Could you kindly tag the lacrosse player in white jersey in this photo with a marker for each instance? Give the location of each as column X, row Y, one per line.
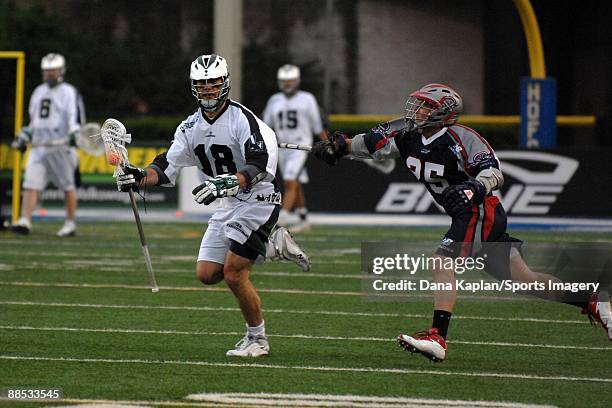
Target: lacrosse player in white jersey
column 295, row 117
column 56, row 114
column 237, row 153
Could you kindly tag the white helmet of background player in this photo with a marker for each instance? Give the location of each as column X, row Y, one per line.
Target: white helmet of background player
column 288, row 79
column 51, row 62
column 210, row 83
column 434, row 105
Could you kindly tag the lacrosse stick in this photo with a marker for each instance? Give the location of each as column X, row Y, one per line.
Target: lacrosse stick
column 89, row 140
column 115, row 137
column 294, row 147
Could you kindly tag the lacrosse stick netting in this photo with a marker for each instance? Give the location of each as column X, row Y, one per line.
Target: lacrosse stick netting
column 115, row 137
column 89, row 140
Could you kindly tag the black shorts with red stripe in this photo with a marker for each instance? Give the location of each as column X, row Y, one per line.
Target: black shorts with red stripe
column 473, row 233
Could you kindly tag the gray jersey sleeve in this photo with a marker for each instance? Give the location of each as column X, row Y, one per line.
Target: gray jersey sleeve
column 379, row 142
column 475, row 153
column 388, row 150
column 477, row 157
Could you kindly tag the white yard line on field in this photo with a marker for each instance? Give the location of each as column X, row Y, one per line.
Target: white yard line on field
column 283, row 400
column 176, row 288
column 102, row 403
column 288, row 311
column 327, row 400
column 294, row 336
column 399, row 296
column 309, row 368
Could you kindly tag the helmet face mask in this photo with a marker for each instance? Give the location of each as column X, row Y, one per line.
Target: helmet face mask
column 434, row 105
column 210, row 83
column 288, row 77
column 53, row 68
column 418, row 111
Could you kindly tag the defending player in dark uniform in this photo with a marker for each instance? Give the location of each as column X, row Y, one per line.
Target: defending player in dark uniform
column 460, row 170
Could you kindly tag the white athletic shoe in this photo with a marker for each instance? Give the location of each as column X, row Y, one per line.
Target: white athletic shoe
column 287, row 249
column 428, row 343
column 250, row 346
column 23, row 226
column 599, row 311
column 303, row 226
column 67, row 230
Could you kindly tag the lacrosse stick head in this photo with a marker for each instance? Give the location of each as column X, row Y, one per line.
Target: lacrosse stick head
column 89, row 139
column 114, row 136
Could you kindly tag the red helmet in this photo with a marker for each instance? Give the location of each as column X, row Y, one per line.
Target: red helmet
column 434, row 105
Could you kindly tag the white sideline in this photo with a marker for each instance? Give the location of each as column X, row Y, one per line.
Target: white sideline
column 348, row 219
column 328, row 400
column 308, row 368
column 289, row 311
column 296, row 336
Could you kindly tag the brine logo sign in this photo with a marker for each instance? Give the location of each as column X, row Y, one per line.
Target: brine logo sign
column 534, row 192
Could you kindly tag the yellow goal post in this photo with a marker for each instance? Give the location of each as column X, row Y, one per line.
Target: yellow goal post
column 19, row 57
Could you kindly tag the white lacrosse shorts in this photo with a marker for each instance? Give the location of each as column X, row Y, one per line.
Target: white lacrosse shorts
column 51, row 164
column 292, row 165
column 249, row 224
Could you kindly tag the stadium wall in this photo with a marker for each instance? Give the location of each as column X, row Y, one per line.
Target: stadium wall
column 560, row 183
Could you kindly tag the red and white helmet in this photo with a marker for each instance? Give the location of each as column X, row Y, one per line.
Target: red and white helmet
column 434, row 105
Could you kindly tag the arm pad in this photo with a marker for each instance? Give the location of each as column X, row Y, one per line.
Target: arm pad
column 252, row 174
column 492, row 178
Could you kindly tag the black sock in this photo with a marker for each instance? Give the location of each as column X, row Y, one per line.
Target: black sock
column 579, row 299
column 441, row 319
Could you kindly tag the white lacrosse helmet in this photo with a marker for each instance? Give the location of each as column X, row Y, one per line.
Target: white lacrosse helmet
column 210, row 83
column 288, row 77
column 54, row 61
column 434, row 105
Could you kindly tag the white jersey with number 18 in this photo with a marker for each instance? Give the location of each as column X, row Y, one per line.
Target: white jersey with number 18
column 236, row 140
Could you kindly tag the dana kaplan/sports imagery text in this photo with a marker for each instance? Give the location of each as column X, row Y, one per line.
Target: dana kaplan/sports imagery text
column 481, row 285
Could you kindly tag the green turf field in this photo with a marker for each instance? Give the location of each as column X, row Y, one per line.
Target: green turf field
column 75, row 314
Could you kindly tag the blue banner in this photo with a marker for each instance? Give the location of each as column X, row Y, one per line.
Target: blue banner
column 538, row 113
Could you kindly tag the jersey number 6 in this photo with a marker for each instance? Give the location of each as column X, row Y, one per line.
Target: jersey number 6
column 432, row 173
column 223, row 158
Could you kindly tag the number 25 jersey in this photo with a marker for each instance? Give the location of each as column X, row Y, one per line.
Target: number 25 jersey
column 451, row 156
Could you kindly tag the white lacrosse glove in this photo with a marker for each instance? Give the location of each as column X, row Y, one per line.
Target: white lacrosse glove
column 225, row 185
column 130, row 179
column 21, row 141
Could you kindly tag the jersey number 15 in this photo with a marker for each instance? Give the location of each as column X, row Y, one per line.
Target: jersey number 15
column 290, row 121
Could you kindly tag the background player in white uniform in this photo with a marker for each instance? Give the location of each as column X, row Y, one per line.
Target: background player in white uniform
column 295, row 117
column 56, row 114
column 237, row 152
